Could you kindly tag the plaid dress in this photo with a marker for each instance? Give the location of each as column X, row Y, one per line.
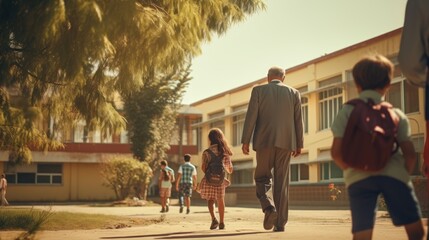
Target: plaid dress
column 210, row 192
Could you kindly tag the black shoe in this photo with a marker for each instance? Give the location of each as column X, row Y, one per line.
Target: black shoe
column 181, row 210
column 214, row 224
column 188, row 211
column 279, row 229
column 270, row 218
column 167, row 208
column 221, row 226
column 162, row 210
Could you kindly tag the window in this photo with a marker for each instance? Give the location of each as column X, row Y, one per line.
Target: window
column 411, row 98
column 124, row 136
column 243, row 173
column 329, row 170
column 304, row 108
column 330, row 102
column 79, row 132
column 24, row 177
column 418, row 142
column 299, row 172
column 238, row 124
column 351, row 89
column 96, row 136
column 40, row 173
column 197, row 135
column 404, row 96
column 49, row 173
column 219, row 123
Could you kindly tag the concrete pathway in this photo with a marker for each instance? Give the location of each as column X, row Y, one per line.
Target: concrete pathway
column 241, row 223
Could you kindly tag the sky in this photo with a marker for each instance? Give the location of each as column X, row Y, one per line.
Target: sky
column 287, row 33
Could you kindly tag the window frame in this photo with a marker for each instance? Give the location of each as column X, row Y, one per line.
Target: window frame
column 330, row 102
column 243, row 167
column 331, row 165
column 299, row 177
column 403, row 84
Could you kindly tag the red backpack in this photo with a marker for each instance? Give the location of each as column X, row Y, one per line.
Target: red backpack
column 370, row 136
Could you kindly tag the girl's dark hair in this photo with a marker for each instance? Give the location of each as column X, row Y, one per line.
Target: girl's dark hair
column 166, row 175
column 216, row 137
column 374, row 72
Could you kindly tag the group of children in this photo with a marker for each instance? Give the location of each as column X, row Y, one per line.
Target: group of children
column 372, row 76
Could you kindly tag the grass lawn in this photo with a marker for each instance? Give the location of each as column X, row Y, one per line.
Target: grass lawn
column 21, row 218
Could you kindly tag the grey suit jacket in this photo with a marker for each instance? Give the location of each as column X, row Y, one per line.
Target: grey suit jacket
column 274, row 117
column 414, row 52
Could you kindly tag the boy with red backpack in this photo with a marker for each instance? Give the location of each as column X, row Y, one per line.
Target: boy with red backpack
column 369, row 176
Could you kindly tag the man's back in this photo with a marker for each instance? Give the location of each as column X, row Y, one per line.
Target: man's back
column 275, row 115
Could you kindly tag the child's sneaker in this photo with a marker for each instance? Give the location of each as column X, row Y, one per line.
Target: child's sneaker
column 214, row 224
column 188, row 211
column 181, row 210
column 221, row 226
column 162, row 210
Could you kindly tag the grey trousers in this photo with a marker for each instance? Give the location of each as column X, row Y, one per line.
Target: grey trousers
column 272, row 181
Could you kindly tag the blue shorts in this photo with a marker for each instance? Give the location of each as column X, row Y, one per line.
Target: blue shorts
column 401, row 202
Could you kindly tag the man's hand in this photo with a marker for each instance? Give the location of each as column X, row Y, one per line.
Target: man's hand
column 245, row 149
column 296, row 153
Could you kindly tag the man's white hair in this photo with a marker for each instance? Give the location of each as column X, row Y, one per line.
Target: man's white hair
column 276, row 71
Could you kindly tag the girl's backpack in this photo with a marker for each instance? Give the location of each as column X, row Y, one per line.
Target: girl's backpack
column 215, row 171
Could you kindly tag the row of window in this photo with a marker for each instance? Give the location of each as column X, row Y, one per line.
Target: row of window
column 35, row 173
column 328, row 171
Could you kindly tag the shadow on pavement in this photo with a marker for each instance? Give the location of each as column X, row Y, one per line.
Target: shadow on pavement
column 186, row 235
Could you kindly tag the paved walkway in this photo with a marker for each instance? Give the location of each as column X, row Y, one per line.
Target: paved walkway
column 241, row 223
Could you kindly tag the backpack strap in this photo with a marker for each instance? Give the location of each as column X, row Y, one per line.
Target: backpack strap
column 213, row 155
column 390, row 113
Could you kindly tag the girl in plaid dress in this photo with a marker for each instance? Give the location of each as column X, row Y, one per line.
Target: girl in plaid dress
column 219, row 146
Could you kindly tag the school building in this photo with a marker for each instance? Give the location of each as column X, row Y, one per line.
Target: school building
column 325, row 83
column 73, row 173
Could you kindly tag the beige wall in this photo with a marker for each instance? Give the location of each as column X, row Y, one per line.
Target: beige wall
column 81, row 179
column 81, row 182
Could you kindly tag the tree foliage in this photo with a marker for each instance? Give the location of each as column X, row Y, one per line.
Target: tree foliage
column 122, row 174
column 151, row 114
column 65, row 59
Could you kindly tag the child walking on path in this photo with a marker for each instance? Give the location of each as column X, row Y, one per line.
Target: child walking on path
column 372, row 77
column 3, row 188
column 165, row 179
column 211, row 192
column 186, row 182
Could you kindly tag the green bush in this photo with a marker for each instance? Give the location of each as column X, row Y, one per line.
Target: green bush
column 122, row 174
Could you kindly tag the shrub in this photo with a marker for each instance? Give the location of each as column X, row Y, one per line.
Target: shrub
column 122, row 174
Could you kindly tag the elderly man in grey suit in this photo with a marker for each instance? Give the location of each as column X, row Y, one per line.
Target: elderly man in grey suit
column 274, row 117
